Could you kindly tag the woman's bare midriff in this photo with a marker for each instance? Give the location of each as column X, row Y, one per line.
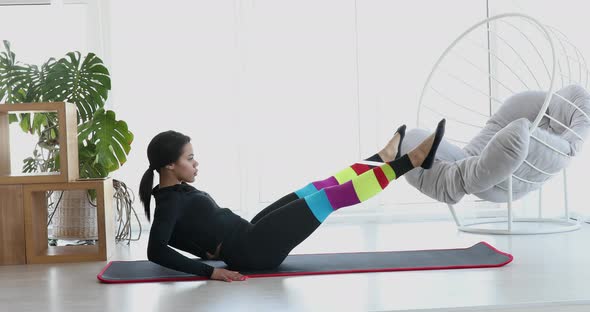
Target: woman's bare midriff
column 216, row 255
column 217, row 250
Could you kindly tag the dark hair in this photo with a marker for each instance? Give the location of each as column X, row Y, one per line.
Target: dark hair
column 165, row 148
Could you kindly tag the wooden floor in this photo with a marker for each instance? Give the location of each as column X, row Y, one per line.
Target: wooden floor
column 549, row 273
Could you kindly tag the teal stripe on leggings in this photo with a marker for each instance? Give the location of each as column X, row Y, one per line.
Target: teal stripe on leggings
column 307, row 190
column 319, row 205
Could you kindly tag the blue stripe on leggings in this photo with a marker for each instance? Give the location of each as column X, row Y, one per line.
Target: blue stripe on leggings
column 307, row 190
column 319, row 205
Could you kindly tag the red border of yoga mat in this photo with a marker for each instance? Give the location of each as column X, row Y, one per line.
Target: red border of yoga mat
column 202, row 278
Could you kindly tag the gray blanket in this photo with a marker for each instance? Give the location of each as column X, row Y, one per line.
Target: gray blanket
column 500, row 149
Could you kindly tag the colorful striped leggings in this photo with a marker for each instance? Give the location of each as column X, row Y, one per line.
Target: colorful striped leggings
column 283, row 225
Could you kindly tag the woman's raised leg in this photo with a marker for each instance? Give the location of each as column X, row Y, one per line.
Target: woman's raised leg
column 272, row 238
column 388, row 153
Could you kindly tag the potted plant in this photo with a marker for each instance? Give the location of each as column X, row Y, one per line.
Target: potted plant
column 103, row 141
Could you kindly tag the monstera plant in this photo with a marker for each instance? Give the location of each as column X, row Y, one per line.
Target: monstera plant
column 103, row 141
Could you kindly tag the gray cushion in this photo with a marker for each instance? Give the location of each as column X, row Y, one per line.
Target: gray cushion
column 483, row 166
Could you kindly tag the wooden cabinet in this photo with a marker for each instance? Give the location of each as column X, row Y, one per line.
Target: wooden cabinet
column 23, row 198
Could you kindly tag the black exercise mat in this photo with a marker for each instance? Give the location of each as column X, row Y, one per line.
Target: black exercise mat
column 480, row 255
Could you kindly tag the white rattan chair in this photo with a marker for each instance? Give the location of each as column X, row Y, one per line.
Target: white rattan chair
column 489, row 62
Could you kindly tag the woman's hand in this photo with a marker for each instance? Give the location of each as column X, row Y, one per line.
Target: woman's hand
column 227, row 275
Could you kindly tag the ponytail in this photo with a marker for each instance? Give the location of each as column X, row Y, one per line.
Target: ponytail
column 145, row 190
column 164, row 148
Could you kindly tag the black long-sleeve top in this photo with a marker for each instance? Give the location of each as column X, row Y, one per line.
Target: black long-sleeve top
column 190, row 220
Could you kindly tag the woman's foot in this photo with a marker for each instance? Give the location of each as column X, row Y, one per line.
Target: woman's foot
column 391, row 150
column 423, row 154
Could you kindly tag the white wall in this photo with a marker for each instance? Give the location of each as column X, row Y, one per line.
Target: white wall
column 278, row 94
column 310, row 87
column 398, row 46
column 175, row 66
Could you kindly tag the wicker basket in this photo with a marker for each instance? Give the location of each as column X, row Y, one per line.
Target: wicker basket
column 75, row 218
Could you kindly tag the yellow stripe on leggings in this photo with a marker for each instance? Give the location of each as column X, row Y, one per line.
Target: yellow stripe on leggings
column 366, row 185
column 389, row 173
column 345, row 175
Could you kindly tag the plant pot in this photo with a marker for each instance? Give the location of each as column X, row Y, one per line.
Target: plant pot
column 75, row 218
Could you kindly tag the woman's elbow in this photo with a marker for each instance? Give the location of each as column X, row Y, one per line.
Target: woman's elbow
column 153, row 253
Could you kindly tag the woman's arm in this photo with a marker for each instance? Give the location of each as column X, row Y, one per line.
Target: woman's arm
column 188, row 246
column 158, row 250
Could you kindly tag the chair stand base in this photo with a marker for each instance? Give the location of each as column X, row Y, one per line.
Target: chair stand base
column 521, row 226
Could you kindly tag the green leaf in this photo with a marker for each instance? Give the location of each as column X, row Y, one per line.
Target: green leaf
column 21, row 82
column 54, row 163
column 30, row 165
column 12, row 118
column 104, row 142
column 39, row 120
column 25, row 122
column 84, row 82
column 109, row 138
column 14, row 79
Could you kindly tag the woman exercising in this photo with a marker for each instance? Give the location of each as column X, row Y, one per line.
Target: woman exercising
column 190, row 220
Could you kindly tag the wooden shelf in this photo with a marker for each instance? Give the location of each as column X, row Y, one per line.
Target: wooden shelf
column 72, row 250
column 23, row 200
column 61, row 254
column 35, row 216
column 28, row 175
column 12, row 225
column 68, row 143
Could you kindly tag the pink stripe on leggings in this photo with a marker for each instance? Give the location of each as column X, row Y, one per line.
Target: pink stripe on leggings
column 331, row 181
column 342, row 195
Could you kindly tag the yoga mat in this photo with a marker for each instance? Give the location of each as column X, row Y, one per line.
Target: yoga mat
column 480, row 255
